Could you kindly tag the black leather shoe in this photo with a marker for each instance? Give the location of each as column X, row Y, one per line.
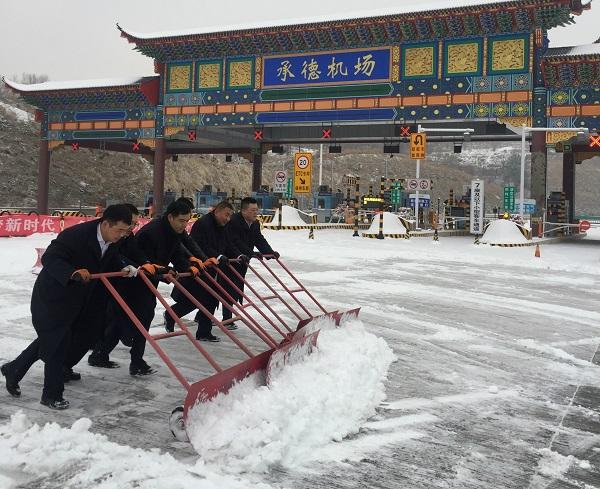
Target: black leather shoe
column 102, row 362
column 12, row 386
column 58, row 404
column 140, row 369
column 212, row 338
column 232, row 326
column 69, row 375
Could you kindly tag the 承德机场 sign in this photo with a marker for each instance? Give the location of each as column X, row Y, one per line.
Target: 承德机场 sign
column 356, row 66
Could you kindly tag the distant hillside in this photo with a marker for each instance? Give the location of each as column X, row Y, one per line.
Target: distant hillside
column 88, row 177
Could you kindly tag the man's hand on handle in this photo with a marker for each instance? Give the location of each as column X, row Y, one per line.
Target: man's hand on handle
column 82, row 275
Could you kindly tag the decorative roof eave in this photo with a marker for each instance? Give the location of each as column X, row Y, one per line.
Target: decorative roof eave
column 147, row 88
column 575, row 66
column 585, row 52
column 161, row 45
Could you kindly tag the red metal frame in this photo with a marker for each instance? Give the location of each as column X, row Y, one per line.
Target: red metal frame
column 291, row 339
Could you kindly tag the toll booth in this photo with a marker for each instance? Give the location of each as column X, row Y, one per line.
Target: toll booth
column 168, row 197
column 325, row 198
column 207, row 198
column 266, row 200
column 325, row 201
column 458, row 208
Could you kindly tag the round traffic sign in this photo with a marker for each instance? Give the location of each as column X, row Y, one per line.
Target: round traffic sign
column 424, row 185
column 280, row 176
column 302, row 162
column 584, row 226
column 413, row 184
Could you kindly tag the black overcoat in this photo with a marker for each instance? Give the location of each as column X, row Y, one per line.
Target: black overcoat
column 214, row 240
column 59, row 303
column 246, row 238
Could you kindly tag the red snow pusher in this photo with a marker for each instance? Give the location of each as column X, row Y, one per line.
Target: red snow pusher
column 276, row 307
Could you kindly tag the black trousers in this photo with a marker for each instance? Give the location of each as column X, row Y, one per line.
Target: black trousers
column 184, row 306
column 142, row 302
column 54, row 384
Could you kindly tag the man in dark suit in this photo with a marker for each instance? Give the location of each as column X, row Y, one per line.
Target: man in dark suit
column 63, row 299
column 164, row 242
column 118, row 325
column 245, row 234
column 210, row 232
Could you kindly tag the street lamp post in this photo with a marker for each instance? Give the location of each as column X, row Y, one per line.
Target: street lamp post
column 524, row 131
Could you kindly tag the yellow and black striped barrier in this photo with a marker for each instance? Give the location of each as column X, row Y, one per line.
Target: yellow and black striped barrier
column 394, row 236
column 69, row 214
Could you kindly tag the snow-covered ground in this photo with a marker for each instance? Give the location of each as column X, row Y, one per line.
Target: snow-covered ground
column 468, row 367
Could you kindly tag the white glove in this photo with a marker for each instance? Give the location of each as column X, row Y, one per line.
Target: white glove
column 131, row 271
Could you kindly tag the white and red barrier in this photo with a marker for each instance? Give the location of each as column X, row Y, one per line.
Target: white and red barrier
column 19, row 225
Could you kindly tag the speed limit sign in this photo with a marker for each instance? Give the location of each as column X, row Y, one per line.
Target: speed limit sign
column 303, row 162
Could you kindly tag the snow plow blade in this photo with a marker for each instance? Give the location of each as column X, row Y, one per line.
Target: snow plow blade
column 220, row 383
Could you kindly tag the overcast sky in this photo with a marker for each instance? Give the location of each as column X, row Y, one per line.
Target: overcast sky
column 77, row 39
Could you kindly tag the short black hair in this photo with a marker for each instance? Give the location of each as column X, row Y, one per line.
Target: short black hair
column 116, row 213
column 179, row 207
column 247, row 201
column 223, row 205
column 186, row 200
column 134, row 210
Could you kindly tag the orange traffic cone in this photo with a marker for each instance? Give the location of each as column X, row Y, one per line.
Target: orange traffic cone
column 537, row 251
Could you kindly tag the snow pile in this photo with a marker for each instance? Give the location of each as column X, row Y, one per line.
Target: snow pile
column 553, row 464
column 391, row 224
column 21, row 115
column 502, row 231
column 307, row 406
column 74, row 457
column 290, row 216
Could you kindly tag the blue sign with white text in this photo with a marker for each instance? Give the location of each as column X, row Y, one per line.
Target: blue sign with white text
column 372, row 65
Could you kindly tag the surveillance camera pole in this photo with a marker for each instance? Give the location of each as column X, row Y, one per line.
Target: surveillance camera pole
column 524, row 130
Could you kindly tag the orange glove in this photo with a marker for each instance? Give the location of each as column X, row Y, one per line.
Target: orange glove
column 82, row 275
column 194, row 270
column 196, row 262
column 149, row 268
column 211, row 262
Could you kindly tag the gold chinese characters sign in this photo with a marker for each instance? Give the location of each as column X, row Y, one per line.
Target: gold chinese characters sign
column 509, row 55
column 180, row 77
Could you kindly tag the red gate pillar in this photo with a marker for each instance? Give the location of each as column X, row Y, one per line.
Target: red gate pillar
column 159, row 176
column 569, row 183
column 43, row 180
column 256, row 171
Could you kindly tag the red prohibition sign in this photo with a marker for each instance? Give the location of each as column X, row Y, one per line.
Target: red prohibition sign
column 594, row 141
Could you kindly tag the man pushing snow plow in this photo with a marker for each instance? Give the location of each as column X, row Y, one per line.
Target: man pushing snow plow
column 285, row 338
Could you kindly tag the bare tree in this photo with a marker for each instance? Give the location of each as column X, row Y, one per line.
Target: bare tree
column 32, row 78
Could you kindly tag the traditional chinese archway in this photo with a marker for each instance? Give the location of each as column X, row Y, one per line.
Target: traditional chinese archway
column 351, row 80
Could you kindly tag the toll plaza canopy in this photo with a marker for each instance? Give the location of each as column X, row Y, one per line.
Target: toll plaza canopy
column 243, row 89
